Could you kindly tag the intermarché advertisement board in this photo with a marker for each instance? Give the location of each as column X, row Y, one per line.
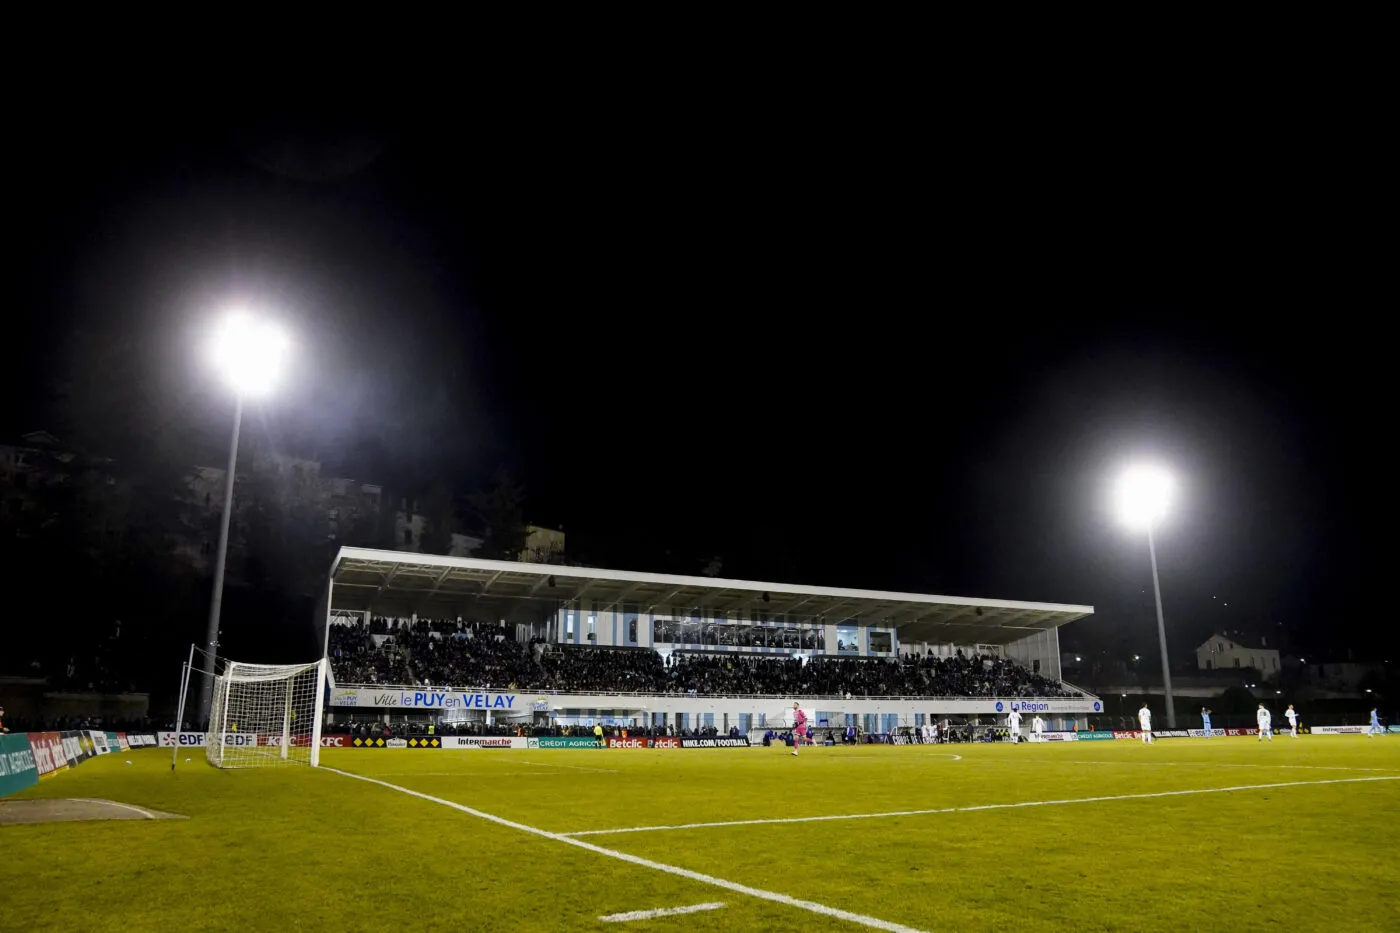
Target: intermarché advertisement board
column 483, row 741
column 17, row 768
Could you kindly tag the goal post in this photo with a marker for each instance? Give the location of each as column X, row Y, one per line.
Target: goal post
column 266, row 715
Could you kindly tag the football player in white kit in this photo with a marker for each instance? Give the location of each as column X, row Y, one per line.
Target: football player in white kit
column 1145, row 723
column 1038, row 729
column 1292, row 716
column 1266, row 721
column 1013, row 725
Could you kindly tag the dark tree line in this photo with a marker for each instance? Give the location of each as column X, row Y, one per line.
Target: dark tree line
column 106, row 529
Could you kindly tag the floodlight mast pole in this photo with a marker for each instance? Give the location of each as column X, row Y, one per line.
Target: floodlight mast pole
column 1161, row 633
column 212, row 635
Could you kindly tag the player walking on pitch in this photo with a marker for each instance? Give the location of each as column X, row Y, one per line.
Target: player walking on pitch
column 1038, row 729
column 1145, row 724
column 1205, row 721
column 1266, row 721
column 799, row 726
column 1013, row 725
column 1374, row 729
column 1292, row 716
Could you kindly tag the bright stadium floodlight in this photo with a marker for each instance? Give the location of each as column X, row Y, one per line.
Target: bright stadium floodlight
column 1142, row 497
column 1143, row 494
column 250, row 354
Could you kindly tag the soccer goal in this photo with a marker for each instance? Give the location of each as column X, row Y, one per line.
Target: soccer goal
column 266, row 715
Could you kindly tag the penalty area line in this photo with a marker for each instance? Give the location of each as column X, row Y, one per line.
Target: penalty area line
column 834, row 912
column 974, row 809
column 660, row 912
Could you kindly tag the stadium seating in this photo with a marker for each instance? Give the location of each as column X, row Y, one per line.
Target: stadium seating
column 483, row 655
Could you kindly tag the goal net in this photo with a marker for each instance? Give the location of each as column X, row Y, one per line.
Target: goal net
column 266, row 715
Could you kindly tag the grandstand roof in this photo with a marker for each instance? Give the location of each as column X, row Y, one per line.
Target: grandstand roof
column 378, row 580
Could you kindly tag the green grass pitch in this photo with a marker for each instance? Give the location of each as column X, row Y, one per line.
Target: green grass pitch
column 295, row 849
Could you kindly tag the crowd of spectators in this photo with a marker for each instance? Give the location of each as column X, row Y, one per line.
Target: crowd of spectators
column 405, row 727
column 91, row 656
column 19, row 723
column 479, row 655
column 428, row 653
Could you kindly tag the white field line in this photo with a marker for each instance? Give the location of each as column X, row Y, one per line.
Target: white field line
column 545, row 764
column 465, row 774
column 842, row 756
column 986, row 806
column 1189, row 764
column 775, row 897
column 660, row 912
column 112, row 803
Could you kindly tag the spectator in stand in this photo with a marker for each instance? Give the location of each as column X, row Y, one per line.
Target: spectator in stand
column 482, row 655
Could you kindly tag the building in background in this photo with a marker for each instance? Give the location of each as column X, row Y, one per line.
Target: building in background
column 542, row 546
column 1230, row 651
column 42, row 464
column 410, row 525
column 289, row 490
column 316, row 511
column 1343, row 678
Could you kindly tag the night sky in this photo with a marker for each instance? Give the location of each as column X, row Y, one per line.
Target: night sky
column 827, row 343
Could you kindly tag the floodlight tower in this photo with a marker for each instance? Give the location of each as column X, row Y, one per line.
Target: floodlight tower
column 250, row 355
column 1143, row 494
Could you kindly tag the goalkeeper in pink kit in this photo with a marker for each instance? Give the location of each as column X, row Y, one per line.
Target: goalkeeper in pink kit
column 799, row 726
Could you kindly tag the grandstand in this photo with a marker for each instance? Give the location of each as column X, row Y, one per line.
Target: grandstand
column 460, row 640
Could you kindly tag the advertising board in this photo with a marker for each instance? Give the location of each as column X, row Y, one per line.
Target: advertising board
column 426, row 699
column 17, row 768
column 382, row 698
column 564, row 741
column 644, row 742
column 369, row 741
column 482, row 741
column 198, row 739
column 49, row 756
column 77, row 746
